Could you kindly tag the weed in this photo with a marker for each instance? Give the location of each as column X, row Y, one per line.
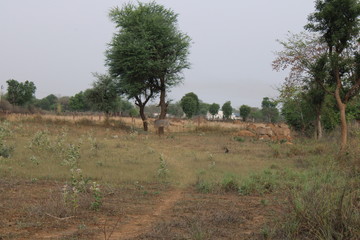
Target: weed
column 275, row 148
column 229, row 183
column 40, row 141
column 5, row 151
column 72, row 156
column 97, row 196
column 163, row 171
column 265, row 182
column 34, row 160
column 239, row 139
column 5, row 129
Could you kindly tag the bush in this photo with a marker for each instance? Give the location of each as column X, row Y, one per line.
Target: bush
column 5, row 151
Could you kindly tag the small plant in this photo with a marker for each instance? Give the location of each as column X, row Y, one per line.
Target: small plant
column 239, row 139
column 94, row 145
column 265, row 182
column 59, row 145
column 97, row 196
column 163, row 171
column 5, row 151
column 34, row 160
column 229, row 183
column 40, row 141
column 79, row 186
column 72, row 156
column 275, row 150
column 71, row 197
column 5, row 130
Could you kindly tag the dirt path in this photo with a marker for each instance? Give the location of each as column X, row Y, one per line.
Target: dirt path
column 137, row 224
column 141, row 223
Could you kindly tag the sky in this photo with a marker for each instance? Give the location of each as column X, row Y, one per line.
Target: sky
column 58, row 44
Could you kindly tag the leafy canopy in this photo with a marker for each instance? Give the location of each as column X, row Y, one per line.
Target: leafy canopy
column 214, row 109
column 148, row 46
column 245, row 111
column 227, row 109
column 19, row 93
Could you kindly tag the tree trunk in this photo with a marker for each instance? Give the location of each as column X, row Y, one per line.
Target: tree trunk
column 318, row 126
column 163, row 105
column 342, row 109
column 143, row 116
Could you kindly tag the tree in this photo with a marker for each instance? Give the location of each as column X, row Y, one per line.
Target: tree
column 269, row 110
column 337, row 21
column 189, row 106
column 227, row 109
column 196, row 99
column 64, row 103
column 244, row 112
column 203, row 108
column 104, row 94
column 256, row 114
column 47, row 103
column 148, row 53
column 175, row 109
column 79, row 102
column 214, row 109
column 20, row 93
column 302, row 53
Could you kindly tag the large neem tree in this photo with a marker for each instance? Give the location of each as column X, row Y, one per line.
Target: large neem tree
column 338, row 23
column 147, row 54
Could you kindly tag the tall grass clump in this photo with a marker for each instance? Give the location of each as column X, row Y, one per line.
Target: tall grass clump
column 5, row 131
column 327, row 206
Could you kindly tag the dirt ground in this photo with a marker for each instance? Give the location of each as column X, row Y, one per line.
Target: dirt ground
column 34, row 210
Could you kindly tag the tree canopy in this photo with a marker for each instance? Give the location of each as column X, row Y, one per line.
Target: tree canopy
column 245, row 112
column 214, row 109
column 104, row 94
column 148, row 52
column 227, row 109
column 19, row 93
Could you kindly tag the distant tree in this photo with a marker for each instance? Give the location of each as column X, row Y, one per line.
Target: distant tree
column 244, row 112
column 196, row 99
column 64, row 103
column 125, row 107
column 189, row 105
column 256, row 115
column 47, row 103
column 148, row 53
column 104, row 94
column 214, row 109
column 269, row 110
column 79, row 102
column 203, row 108
column 227, row 109
column 20, row 93
column 175, row 109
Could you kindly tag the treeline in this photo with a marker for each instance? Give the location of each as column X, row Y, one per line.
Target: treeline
column 20, row 98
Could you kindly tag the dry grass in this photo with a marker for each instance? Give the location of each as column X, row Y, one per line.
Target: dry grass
column 112, row 154
column 127, row 161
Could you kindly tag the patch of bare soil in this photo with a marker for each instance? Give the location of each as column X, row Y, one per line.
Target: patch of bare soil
column 35, row 211
column 141, row 223
column 215, row 216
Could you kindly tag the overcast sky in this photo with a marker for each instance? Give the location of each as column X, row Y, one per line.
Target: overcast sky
column 57, row 44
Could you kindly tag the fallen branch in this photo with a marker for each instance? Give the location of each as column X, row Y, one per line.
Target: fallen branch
column 65, row 218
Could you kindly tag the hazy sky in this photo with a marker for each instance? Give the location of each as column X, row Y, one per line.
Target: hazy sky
column 57, row 44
